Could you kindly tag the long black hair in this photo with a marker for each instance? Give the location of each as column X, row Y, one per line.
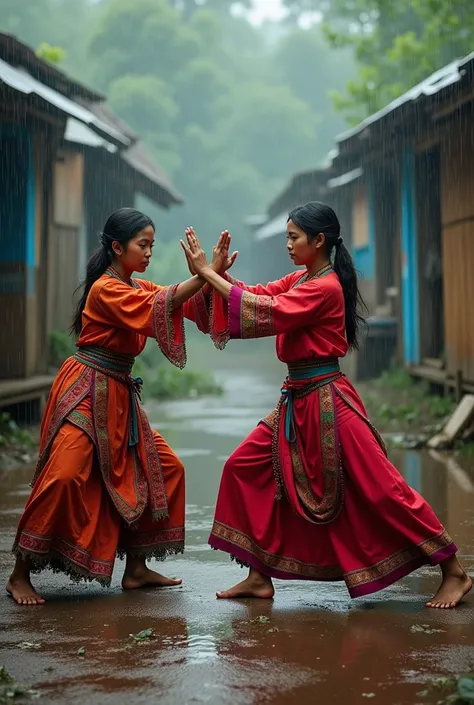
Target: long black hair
column 121, row 226
column 314, row 218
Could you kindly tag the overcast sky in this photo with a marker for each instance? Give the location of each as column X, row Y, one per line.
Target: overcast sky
column 267, row 9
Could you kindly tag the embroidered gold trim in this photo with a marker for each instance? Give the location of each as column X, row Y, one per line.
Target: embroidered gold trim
column 282, row 563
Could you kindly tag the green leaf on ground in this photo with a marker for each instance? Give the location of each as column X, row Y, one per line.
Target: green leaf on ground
column 144, row 634
column 5, row 677
column 425, row 629
column 466, row 688
column 260, row 620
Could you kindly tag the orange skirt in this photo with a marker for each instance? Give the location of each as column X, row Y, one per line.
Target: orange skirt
column 70, row 523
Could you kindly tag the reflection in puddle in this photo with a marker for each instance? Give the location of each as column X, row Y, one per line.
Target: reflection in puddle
column 191, row 452
column 319, row 645
column 200, row 648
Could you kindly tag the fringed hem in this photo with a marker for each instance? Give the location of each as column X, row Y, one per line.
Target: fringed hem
column 159, row 553
column 158, row 515
column 233, row 558
column 168, row 327
column 58, row 563
column 220, row 344
column 242, row 564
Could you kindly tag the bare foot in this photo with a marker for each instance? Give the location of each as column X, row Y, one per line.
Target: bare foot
column 23, row 592
column 451, row 591
column 144, row 577
column 254, row 586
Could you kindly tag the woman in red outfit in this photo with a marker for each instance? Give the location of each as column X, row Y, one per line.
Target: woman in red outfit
column 310, row 493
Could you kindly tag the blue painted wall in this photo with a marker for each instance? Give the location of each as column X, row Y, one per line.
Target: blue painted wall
column 364, row 257
column 410, row 296
column 17, row 201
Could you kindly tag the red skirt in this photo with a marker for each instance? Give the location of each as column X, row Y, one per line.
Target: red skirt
column 345, row 512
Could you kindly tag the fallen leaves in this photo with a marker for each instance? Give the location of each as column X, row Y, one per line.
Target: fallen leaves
column 10, row 689
column 425, row 629
column 144, row 635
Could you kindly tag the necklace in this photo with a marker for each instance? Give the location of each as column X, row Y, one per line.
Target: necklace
column 112, row 272
column 321, row 272
column 327, row 267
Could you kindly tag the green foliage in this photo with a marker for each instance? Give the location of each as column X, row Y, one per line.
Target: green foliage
column 170, row 383
column 53, row 55
column 11, row 433
column 229, row 110
column 61, row 346
column 458, row 690
column 163, row 381
column 396, row 403
column 396, row 45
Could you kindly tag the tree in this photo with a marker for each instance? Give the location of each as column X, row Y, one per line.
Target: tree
column 194, row 94
column 26, row 20
column 304, row 61
column 267, row 126
column 397, row 45
column 147, row 103
column 137, row 37
column 57, row 23
column 300, row 8
column 189, row 7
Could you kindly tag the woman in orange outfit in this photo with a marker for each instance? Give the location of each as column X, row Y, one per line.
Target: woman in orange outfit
column 106, row 482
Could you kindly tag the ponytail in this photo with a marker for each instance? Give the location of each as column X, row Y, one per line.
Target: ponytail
column 315, row 218
column 96, row 266
column 354, row 304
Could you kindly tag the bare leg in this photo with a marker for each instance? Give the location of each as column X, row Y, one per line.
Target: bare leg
column 138, row 575
column 454, row 586
column 19, row 586
column 256, row 585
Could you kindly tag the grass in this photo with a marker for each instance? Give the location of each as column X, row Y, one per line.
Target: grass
column 167, row 382
column 161, row 379
column 17, row 445
column 397, row 404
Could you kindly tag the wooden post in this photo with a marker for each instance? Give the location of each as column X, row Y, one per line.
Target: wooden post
column 458, row 387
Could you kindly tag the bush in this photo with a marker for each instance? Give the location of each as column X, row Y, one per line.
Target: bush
column 11, row 433
column 61, row 346
column 161, row 380
column 396, row 402
column 168, row 382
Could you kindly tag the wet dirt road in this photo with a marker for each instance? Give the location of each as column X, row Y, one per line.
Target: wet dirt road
column 311, row 644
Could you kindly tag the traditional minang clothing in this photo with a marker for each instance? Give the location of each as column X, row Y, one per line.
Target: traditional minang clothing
column 310, row 493
column 106, row 483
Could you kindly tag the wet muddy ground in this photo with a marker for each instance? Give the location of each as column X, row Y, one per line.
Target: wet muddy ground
column 311, row 644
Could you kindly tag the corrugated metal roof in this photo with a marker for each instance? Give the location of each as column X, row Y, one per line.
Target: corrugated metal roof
column 79, row 133
column 346, row 178
column 21, row 81
column 16, row 53
column 276, row 226
column 137, row 156
column 444, row 77
column 104, row 112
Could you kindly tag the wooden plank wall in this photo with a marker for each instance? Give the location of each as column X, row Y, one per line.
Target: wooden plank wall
column 457, row 209
column 68, row 213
